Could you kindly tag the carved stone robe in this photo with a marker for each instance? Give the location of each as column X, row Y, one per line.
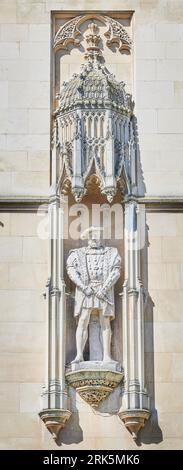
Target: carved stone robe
column 97, row 268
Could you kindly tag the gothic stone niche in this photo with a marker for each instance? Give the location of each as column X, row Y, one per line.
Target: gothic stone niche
column 94, row 270
column 95, row 159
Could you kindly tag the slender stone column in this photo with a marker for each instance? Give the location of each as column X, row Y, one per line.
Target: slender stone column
column 135, row 408
column 77, row 180
column 110, row 181
column 55, row 412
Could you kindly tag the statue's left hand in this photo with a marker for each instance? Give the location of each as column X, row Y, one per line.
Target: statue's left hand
column 101, row 294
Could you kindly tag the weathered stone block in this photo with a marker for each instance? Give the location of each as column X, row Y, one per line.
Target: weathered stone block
column 168, row 69
column 169, row 32
column 145, row 70
column 14, row 32
column 167, row 393
column 167, row 305
column 170, row 121
column 13, row 161
column 24, row 224
column 38, row 160
column 164, row 276
column 30, row 183
column 172, row 249
column 155, row 250
column 27, row 70
column 35, row 250
column 32, row 276
column 150, row 50
column 39, row 121
column 4, row 224
column 145, row 32
column 34, row 50
column 9, row 50
column 27, row 94
column 4, row 94
column 8, row 12
column 147, row 121
column 22, row 306
column 9, row 398
column 12, row 339
column 39, row 32
column 17, row 367
column 10, row 249
column 19, row 425
column 30, row 397
column 28, row 141
column 157, row 94
column 178, row 90
column 32, row 12
column 177, row 371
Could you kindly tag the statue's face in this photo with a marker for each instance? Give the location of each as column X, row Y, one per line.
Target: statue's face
column 94, row 242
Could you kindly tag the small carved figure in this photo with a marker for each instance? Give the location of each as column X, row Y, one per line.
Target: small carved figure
column 94, row 270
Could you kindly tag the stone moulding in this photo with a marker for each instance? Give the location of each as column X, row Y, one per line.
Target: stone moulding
column 55, row 420
column 134, row 420
column 94, row 385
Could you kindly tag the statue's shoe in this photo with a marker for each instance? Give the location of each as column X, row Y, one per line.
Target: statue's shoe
column 108, row 359
column 77, row 359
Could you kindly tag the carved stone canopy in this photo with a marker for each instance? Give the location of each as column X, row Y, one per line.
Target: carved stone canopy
column 94, row 86
column 95, row 129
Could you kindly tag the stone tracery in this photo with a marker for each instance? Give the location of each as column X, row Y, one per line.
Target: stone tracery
column 69, row 33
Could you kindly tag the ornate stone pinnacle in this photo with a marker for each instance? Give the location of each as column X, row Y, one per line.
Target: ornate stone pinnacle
column 93, row 52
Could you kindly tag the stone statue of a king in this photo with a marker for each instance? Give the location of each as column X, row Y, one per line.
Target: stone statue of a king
column 94, row 270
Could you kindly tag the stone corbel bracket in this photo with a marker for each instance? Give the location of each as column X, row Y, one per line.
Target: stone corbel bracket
column 134, row 420
column 70, row 35
column 93, row 383
column 55, row 420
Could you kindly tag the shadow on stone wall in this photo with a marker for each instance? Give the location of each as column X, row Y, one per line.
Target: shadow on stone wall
column 152, row 432
column 72, row 433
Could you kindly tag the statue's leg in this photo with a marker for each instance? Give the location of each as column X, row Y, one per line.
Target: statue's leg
column 82, row 334
column 106, row 337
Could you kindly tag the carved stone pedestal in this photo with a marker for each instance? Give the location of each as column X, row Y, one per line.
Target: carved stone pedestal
column 94, row 380
column 134, row 420
column 55, row 420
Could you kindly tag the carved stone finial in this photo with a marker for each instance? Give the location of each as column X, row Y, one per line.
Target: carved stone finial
column 93, row 38
column 93, row 52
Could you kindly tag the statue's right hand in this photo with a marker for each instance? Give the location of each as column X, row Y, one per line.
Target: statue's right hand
column 88, row 291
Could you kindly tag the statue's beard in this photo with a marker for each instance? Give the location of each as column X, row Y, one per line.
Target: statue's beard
column 94, row 244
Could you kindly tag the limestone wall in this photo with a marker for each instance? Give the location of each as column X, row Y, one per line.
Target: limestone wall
column 157, row 86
